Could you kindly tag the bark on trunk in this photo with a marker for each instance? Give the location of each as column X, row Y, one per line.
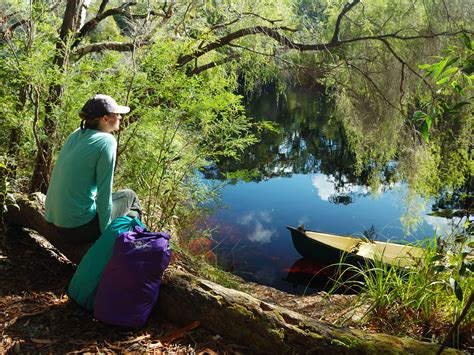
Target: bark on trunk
column 44, row 155
column 264, row 327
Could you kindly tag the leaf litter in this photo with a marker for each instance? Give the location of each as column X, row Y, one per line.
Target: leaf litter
column 36, row 315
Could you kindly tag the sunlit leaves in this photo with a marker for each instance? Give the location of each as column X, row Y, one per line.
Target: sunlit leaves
column 456, row 288
column 426, row 124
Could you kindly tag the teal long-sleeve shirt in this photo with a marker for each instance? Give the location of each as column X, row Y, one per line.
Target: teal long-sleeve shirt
column 81, row 183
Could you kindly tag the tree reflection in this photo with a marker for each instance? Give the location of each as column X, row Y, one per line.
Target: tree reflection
column 309, row 139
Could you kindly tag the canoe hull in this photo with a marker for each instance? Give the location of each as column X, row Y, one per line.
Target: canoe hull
column 321, row 252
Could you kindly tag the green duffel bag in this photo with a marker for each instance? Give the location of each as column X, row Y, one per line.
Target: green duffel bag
column 84, row 283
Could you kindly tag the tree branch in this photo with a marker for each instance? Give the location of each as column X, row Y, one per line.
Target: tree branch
column 387, row 44
column 113, row 46
column 369, row 79
column 9, row 30
column 337, row 28
column 144, row 16
column 184, row 17
column 270, row 32
column 273, row 32
column 240, row 17
column 261, row 17
column 402, row 91
column 102, row 6
column 92, row 23
column 213, row 64
column 225, row 24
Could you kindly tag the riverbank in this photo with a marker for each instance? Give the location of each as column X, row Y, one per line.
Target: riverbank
column 38, row 317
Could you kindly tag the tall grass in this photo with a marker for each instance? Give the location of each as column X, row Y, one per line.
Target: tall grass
column 423, row 300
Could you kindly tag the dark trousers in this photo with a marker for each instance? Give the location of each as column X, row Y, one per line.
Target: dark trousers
column 74, row 242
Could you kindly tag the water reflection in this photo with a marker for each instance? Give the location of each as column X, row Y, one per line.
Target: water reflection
column 303, row 173
column 307, row 274
column 308, row 140
column 256, row 221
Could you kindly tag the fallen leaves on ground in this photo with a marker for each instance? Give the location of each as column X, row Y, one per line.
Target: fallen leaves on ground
column 36, row 315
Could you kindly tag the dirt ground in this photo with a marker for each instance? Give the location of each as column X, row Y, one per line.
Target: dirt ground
column 36, row 315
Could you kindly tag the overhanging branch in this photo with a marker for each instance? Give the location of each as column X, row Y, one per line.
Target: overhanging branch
column 93, row 23
column 113, row 46
column 102, row 6
column 213, row 64
column 268, row 31
column 337, row 27
column 275, row 34
column 405, row 64
column 369, row 79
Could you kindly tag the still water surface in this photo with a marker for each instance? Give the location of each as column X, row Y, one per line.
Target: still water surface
column 302, row 174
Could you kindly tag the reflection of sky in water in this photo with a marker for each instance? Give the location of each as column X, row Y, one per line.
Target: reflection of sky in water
column 251, row 232
column 325, row 187
column 258, row 213
column 256, row 221
column 444, row 226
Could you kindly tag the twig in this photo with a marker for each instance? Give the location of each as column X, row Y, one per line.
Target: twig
column 377, row 89
column 387, row 44
column 456, row 324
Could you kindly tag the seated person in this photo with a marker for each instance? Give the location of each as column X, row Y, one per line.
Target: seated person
column 80, row 203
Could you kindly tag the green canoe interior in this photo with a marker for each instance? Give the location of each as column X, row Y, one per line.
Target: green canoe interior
column 390, row 253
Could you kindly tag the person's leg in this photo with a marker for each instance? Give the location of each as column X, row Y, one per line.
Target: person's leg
column 125, row 203
column 74, row 242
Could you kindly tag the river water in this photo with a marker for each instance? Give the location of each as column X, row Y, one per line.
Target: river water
column 300, row 175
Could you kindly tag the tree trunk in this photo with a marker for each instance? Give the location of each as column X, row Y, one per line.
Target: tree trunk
column 264, row 327
column 44, row 155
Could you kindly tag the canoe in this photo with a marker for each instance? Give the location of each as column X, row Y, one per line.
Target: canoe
column 332, row 249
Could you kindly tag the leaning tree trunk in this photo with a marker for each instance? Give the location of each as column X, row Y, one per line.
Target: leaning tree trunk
column 44, row 154
column 264, row 327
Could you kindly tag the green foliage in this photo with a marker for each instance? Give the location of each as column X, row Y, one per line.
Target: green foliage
column 453, row 76
column 6, row 193
column 179, row 122
column 182, row 124
column 428, row 295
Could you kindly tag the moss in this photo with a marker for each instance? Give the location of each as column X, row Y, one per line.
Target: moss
column 218, row 298
column 276, row 315
column 244, row 311
column 305, row 331
column 351, row 341
column 347, row 342
column 339, row 343
column 314, row 335
column 278, row 332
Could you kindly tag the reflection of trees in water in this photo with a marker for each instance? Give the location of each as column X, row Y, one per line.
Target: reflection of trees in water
column 308, row 140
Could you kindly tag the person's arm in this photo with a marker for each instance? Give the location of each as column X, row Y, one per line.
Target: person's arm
column 105, row 176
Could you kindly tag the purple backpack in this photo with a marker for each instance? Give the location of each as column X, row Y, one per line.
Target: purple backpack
column 130, row 283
